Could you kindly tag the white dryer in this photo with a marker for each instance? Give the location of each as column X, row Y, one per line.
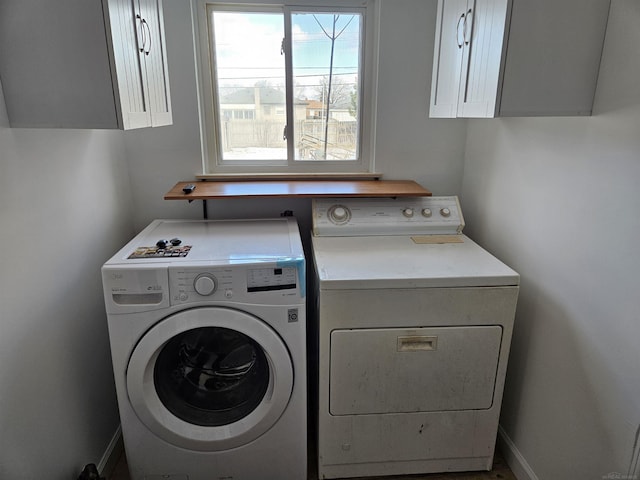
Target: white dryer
column 207, row 326
column 414, row 327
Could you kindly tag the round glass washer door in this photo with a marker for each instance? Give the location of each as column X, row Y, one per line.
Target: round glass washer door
column 210, row 378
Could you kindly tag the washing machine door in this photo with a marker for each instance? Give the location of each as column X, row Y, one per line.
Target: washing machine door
column 210, row 378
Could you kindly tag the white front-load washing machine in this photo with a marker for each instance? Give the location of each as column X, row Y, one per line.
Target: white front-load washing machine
column 414, row 328
column 207, row 326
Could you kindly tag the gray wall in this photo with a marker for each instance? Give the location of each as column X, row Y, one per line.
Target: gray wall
column 558, row 199
column 70, row 198
column 64, row 208
column 554, row 198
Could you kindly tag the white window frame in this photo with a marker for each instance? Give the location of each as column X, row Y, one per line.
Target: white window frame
column 205, row 76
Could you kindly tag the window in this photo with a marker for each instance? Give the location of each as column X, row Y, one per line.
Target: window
column 286, row 87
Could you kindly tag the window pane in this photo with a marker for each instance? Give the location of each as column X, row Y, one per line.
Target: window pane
column 250, row 72
column 326, row 63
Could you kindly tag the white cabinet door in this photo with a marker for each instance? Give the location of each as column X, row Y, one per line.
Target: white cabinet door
column 469, row 47
column 139, row 55
column 153, row 56
column 127, row 34
column 447, row 62
column 483, row 32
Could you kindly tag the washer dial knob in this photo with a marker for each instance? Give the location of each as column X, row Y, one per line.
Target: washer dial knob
column 445, row 212
column 205, row 284
column 426, row 212
column 407, row 212
column 339, row 214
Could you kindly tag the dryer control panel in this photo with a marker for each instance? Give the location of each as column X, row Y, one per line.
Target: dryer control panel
column 335, row 217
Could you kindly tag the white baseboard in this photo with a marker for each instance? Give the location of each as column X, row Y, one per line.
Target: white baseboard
column 112, row 454
column 517, row 463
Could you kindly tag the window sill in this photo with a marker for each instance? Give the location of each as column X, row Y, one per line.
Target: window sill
column 242, row 177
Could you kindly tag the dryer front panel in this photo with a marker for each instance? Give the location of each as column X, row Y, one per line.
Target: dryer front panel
column 392, row 370
column 210, row 378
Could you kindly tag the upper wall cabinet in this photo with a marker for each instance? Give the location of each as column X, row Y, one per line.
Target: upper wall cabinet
column 84, row 63
column 517, row 57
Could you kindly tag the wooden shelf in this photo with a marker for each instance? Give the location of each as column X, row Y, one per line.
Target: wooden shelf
column 298, row 188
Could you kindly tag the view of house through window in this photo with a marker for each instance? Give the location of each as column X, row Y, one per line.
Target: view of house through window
column 250, row 53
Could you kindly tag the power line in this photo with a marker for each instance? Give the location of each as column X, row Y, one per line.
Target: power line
column 276, row 68
column 282, row 76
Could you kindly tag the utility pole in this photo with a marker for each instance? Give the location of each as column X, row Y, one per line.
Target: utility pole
column 333, row 37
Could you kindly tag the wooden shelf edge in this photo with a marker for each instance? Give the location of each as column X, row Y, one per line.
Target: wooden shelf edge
column 206, row 190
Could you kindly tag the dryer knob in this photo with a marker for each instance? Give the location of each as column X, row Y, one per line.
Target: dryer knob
column 205, row 284
column 339, row 214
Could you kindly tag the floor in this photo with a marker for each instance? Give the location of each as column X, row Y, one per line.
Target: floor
column 500, row 472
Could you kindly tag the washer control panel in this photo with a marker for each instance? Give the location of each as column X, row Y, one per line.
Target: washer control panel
column 189, row 284
column 387, row 216
column 270, row 279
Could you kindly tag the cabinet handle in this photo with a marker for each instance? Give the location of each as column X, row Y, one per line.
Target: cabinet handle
column 464, row 26
column 141, row 41
column 148, row 49
column 462, row 17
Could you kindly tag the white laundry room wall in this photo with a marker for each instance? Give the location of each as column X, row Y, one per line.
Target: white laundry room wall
column 558, row 200
column 65, row 207
column 409, row 145
column 70, row 198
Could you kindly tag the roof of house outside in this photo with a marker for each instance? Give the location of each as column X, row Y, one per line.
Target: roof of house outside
column 247, row 96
